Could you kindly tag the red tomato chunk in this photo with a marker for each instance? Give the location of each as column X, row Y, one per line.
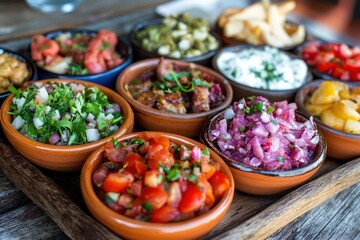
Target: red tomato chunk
column 335, row 59
column 155, row 180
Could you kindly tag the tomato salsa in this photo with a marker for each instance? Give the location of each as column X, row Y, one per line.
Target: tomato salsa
column 174, row 89
column 76, row 53
column 335, row 59
column 158, row 181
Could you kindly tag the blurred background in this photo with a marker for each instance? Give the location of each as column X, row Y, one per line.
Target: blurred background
column 328, row 19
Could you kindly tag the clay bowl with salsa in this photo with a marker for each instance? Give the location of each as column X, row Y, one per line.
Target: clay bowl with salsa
column 335, row 114
column 53, row 135
column 189, row 94
column 262, row 71
column 94, row 56
column 141, row 208
column 263, row 156
column 18, row 70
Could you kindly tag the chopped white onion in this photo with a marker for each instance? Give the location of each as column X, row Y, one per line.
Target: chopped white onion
column 18, row 122
column 92, row 135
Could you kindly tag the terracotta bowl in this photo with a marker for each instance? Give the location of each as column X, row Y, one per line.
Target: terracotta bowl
column 341, row 145
column 62, row 158
column 106, row 78
column 141, row 53
column 30, row 66
column 152, row 119
column 265, row 182
column 135, row 229
column 241, row 90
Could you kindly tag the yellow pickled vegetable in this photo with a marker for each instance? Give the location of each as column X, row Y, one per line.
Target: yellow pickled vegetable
column 330, row 119
column 352, row 126
column 326, row 93
column 337, row 106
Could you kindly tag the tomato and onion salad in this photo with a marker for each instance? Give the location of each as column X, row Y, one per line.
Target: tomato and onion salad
column 76, row 53
column 155, row 180
column 335, row 59
column 64, row 113
column 264, row 135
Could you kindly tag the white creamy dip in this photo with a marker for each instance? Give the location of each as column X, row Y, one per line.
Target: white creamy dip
column 265, row 68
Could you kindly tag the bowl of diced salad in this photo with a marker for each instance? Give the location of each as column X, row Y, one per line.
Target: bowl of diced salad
column 57, row 123
column 94, row 56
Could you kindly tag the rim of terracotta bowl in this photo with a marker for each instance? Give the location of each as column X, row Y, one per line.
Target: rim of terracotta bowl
column 88, row 191
column 228, row 92
column 318, row 156
column 124, row 106
column 309, row 88
column 232, row 41
column 238, row 48
column 157, row 21
column 315, row 72
column 122, row 47
column 33, row 75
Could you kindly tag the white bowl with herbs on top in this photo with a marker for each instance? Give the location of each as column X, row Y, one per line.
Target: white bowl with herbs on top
column 262, row 71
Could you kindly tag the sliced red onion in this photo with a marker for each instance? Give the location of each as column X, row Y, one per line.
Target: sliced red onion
column 54, row 138
column 196, row 154
column 67, row 115
column 116, row 107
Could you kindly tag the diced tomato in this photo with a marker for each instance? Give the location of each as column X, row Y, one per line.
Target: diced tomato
column 164, row 141
column 310, row 51
column 355, row 76
column 174, row 194
column 352, row 64
column 337, row 72
column 118, row 182
column 344, row 51
column 324, row 57
column 345, row 76
column 135, row 164
column 210, row 199
column 155, row 197
column 153, row 178
column 161, row 158
column 164, row 214
column 192, row 199
column 206, row 169
column 220, row 184
column 326, row 66
column 125, row 200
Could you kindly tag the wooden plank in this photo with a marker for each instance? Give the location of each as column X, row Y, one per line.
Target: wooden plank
column 296, row 203
column 336, row 218
column 49, row 197
column 29, row 222
column 10, row 196
column 30, row 21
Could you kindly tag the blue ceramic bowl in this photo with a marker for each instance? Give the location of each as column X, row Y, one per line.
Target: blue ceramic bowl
column 33, row 74
column 106, row 78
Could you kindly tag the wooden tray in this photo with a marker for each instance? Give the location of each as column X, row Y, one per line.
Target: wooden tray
column 58, row 194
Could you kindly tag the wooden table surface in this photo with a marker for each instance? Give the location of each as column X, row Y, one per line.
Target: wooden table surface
column 20, row 218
